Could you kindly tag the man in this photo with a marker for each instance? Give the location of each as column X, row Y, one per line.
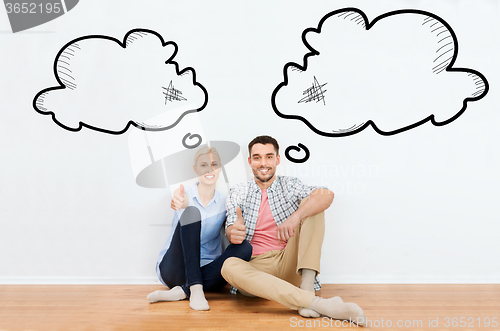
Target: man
column 284, row 221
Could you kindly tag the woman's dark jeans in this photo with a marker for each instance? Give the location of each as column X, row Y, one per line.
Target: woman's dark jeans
column 180, row 265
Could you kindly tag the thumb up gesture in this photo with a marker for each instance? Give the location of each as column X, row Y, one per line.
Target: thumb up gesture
column 180, row 199
column 238, row 228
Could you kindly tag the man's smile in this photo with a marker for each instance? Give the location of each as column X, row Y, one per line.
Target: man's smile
column 264, row 171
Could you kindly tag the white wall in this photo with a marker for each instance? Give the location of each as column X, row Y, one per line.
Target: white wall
column 417, row 207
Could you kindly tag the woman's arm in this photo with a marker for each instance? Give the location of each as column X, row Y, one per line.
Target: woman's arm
column 180, row 199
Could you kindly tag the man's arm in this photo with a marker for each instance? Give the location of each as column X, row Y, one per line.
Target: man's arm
column 319, row 200
column 235, row 233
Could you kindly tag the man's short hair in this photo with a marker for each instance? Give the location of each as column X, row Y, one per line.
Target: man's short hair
column 264, row 140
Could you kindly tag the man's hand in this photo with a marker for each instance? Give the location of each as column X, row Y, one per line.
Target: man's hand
column 318, row 201
column 179, row 200
column 238, row 228
column 287, row 229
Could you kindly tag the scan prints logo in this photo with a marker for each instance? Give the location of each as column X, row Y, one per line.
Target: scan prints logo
column 30, row 13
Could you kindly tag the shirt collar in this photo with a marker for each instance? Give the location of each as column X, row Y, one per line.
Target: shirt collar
column 272, row 188
column 254, row 186
column 274, row 185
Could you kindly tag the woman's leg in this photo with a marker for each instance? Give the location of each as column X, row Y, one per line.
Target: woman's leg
column 181, row 263
column 180, row 267
column 190, row 222
column 212, row 278
column 171, row 271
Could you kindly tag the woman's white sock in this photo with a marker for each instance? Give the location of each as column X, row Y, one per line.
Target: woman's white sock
column 197, row 299
column 174, row 294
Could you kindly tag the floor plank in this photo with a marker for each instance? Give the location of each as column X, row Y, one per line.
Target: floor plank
column 124, row 307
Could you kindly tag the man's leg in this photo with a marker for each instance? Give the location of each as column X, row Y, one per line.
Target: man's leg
column 303, row 250
column 265, row 262
column 244, row 276
column 300, row 263
column 248, row 277
column 300, row 259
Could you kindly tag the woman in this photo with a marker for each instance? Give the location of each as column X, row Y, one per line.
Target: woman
column 191, row 260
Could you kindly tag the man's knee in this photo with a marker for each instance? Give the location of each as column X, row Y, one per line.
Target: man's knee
column 190, row 215
column 229, row 265
column 303, row 202
column 318, row 219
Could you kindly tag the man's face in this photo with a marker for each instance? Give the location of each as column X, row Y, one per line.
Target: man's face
column 263, row 161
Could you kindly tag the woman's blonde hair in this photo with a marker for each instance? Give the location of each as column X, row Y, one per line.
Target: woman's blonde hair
column 205, row 150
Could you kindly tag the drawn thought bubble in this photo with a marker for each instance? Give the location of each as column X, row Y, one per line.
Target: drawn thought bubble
column 107, row 85
column 393, row 74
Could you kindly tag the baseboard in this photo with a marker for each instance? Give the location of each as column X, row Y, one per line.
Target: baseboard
column 354, row 279
column 417, row 279
column 79, row 281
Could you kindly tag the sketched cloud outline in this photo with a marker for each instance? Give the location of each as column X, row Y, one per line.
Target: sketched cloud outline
column 368, row 25
column 38, row 99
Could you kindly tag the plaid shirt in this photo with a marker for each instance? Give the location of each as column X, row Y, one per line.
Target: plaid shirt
column 284, row 194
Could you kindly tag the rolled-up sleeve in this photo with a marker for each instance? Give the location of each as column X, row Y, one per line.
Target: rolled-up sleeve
column 299, row 190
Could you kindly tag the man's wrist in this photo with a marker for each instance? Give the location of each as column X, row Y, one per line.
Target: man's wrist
column 295, row 219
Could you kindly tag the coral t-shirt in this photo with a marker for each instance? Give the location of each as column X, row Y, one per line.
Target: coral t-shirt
column 264, row 238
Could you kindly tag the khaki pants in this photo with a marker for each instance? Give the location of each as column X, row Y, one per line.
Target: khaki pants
column 275, row 275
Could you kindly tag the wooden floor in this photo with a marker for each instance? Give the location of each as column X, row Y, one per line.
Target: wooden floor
column 124, row 307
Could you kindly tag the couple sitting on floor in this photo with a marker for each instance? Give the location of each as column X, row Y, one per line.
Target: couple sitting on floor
column 275, row 225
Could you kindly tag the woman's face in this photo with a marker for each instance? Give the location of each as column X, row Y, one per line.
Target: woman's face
column 207, row 168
